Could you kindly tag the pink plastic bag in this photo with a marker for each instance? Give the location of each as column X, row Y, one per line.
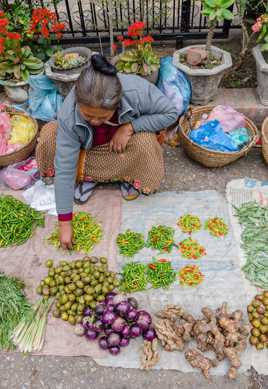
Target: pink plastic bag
column 20, row 175
column 228, row 117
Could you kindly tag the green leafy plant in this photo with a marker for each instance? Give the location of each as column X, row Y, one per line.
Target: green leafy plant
column 216, row 11
column 138, row 56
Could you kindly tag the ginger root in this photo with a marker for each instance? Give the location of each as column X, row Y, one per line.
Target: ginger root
column 199, row 361
column 150, row 355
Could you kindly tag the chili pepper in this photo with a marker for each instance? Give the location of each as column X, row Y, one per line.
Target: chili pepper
column 129, row 243
column 190, row 275
column 191, row 249
column 133, row 277
column 161, row 238
column 17, row 221
column 216, row 227
column 87, row 232
column 189, row 223
column 160, row 274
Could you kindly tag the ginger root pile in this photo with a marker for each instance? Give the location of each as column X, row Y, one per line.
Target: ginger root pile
column 218, row 331
column 150, row 355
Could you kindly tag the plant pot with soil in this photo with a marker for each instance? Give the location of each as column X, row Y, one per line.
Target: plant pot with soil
column 205, row 65
column 260, row 53
column 137, row 55
column 65, row 67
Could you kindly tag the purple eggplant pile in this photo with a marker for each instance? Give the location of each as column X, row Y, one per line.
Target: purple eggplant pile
column 114, row 322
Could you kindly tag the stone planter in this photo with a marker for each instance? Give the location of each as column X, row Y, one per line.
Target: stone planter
column 65, row 79
column 17, row 92
column 151, row 77
column 262, row 75
column 205, row 82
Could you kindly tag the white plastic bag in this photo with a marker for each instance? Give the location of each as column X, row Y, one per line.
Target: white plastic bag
column 41, row 197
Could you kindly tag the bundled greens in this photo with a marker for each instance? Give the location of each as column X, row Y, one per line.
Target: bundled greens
column 13, row 306
column 254, row 221
column 17, row 221
column 29, row 335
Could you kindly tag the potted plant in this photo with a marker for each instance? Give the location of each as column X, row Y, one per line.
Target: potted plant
column 137, row 56
column 17, row 62
column 260, row 53
column 205, row 65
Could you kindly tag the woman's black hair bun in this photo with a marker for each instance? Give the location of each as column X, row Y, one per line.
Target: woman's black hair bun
column 102, row 65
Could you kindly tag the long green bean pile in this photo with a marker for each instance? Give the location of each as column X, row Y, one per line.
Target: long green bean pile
column 254, row 221
column 13, row 306
column 133, row 277
column 17, row 221
column 160, row 274
column 161, row 238
column 87, row 232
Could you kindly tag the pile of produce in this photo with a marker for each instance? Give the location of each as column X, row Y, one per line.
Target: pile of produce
column 114, row 322
column 216, row 227
column 13, row 306
column 130, row 243
column 17, row 221
column 138, row 276
column 190, row 275
column 191, row 249
column 161, row 238
column 76, row 285
column 223, row 333
column 258, row 317
column 160, row 274
column 16, row 131
column 68, row 61
column 253, row 219
column 189, row 223
column 29, row 335
column 86, row 233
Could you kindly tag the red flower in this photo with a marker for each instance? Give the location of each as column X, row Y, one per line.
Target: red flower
column 3, row 25
column 13, row 35
column 136, row 29
column 2, row 41
column 2, row 13
column 127, row 42
column 147, row 39
column 44, row 31
column 57, row 27
column 120, row 38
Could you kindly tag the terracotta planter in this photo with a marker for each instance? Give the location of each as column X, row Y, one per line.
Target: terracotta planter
column 65, row 79
column 262, row 75
column 153, row 77
column 205, row 82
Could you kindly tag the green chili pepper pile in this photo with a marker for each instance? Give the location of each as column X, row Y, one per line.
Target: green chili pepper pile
column 191, row 249
column 190, row 275
column 216, row 227
column 133, row 277
column 129, row 243
column 17, row 221
column 87, row 232
column 189, row 223
column 254, row 221
column 160, row 274
column 161, row 238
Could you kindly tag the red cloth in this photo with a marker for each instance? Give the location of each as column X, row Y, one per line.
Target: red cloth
column 104, row 133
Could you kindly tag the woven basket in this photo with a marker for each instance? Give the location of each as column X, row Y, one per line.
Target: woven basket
column 264, row 135
column 210, row 158
column 24, row 152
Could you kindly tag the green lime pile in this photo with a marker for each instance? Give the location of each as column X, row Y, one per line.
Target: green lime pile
column 76, row 285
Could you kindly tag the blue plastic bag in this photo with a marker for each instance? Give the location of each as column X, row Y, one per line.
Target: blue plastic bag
column 211, row 136
column 240, row 137
column 174, row 84
column 44, row 98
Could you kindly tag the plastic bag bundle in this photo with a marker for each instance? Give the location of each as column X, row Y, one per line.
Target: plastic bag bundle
column 44, row 98
column 20, row 175
column 174, row 84
column 211, row 136
column 229, row 118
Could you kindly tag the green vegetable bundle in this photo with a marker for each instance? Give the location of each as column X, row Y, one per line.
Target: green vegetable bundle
column 13, row 306
column 160, row 274
column 161, row 238
column 17, row 221
column 254, row 221
column 87, row 232
column 129, row 243
column 133, row 277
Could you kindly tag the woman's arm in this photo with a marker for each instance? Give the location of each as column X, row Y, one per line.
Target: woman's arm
column 67, row 154
column 157, row 111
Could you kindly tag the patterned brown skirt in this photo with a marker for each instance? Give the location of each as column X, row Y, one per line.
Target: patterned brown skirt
column 141, row 164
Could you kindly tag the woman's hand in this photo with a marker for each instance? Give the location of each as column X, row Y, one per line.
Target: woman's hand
column 120, row 139
column 66, row 235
